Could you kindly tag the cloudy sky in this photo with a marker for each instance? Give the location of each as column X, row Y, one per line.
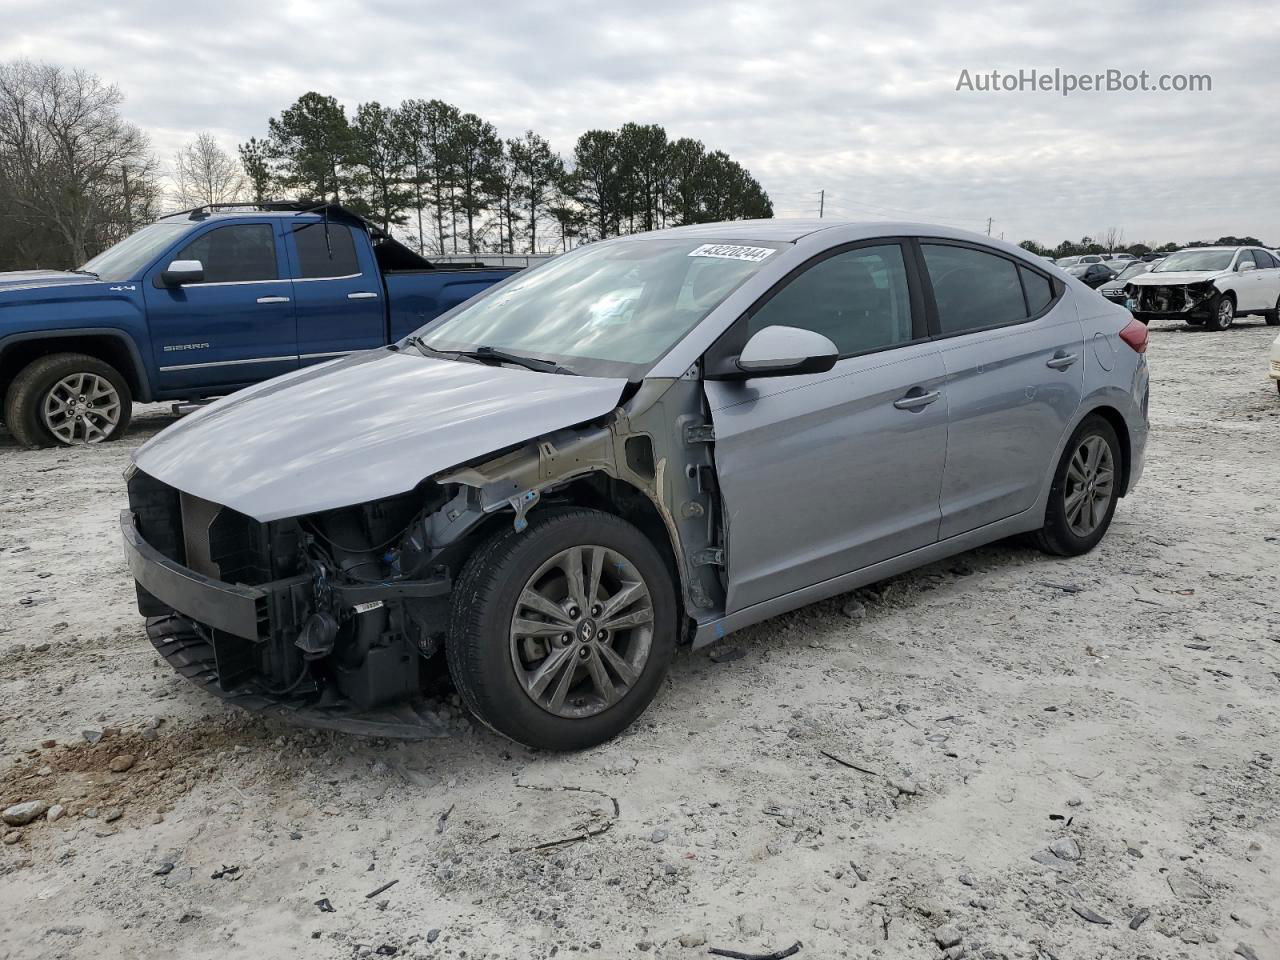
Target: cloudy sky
column 858, row 99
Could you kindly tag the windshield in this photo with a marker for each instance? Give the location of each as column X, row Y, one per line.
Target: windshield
column 1195, row 260
column 134, row 252
column 610, row 310
column 1132, row 270
column 1078, row 270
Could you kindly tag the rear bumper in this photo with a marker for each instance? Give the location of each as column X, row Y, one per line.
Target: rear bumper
column 232, row 608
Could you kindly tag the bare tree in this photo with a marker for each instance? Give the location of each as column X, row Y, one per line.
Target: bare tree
column 205, row 173
column 1112, row 238
column 70, row 165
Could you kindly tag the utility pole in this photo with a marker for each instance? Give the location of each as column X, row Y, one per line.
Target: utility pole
column 988, row 226
column 822, row 202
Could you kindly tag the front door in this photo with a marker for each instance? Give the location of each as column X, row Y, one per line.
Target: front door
column 1014, row 354
column 823, row 474
column 235, row 327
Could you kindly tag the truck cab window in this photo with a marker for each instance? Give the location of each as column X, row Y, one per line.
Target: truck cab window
column 235, row 254
column 319, row 257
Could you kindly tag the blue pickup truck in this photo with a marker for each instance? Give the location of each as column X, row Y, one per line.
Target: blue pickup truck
column 202, row 303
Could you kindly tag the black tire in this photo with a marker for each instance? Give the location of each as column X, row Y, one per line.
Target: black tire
column 1219, row 318
column 25, row 399
column 1273, row 316
column 1057, row 536
column 484, row 601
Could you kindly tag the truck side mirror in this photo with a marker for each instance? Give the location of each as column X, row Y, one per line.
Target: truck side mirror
column 182, row 271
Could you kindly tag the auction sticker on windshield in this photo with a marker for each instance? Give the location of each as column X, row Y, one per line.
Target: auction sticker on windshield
column 731, row 251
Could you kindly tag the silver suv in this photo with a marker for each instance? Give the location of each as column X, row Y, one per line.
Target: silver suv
column 649, row 441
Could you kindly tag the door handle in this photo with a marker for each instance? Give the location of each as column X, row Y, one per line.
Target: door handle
column 917, row 401
column 273, row 299
column 362, row 295
column 1062, row 360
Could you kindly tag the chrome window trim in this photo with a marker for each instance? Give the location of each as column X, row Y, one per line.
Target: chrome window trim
column 345, row 276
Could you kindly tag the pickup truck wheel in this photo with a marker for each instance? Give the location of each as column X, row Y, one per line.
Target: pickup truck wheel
column 560, row 636
column 1086, row 487
column 68, row 399
column 1223, row 314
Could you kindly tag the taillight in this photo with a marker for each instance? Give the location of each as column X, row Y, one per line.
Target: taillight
column 1135, row 335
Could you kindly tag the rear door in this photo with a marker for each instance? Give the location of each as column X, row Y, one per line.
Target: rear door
column 1266, row 281
column 1013, row 348
column 826, row 473
column 337, row 291
column 234, row 328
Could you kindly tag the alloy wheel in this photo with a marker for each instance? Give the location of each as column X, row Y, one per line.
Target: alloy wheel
column 582, row 631
column 1226, row 313
column 81, row 408
column 1090, row 485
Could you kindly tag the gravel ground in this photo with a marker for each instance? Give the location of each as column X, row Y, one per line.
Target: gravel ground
column 1003, row 755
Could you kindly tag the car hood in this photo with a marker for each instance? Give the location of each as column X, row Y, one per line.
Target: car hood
column 35, row 279
column 368, row 426
column 1175, row 277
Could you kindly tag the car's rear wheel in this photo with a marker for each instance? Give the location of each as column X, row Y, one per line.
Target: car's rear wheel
column 560, row 636
column 1223, row 314
column 1273, row 316
column 68, row 399
column 1086, row 487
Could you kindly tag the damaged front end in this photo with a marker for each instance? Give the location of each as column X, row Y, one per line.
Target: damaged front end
column 339, row 618
column 1167, row 301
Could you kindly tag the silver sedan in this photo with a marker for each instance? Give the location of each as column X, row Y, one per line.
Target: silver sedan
column 653, row 440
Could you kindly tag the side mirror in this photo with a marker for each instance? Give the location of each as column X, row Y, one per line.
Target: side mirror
column 183, row 271
column 785, row 351
column 1246, row 265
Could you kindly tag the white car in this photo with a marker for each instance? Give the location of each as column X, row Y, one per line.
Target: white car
column 1209, row 286
column 1275, row 362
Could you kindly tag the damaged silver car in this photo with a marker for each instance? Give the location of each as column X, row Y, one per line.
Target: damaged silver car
column 650, row 441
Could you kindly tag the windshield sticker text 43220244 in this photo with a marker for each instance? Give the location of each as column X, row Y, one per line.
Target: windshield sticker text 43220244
column 732, row 251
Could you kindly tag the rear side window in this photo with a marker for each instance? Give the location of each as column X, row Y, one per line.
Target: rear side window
column 235, row 254
column 973, row 289
column 1039, row 290
column 320, row 256
column 1263, row 259
column 858, row 299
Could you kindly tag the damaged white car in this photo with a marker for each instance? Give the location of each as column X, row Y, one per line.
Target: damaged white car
column 649, row 441
column 1209, row 287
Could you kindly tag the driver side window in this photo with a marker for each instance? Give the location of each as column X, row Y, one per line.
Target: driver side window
column 235, row 253
column 858, row 299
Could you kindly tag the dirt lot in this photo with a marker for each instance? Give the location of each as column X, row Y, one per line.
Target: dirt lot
column 1121, row 708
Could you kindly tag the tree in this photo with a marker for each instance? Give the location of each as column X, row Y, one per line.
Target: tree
column 74, row 175
column 254, row 159
column 506, row 184
column 428, row 130
column 311, row 142
column 477, row 154
column 379, row 157
column 642, row 160
column 683, row 184
column 538, row 170
column 204, row 173
column 596, row 181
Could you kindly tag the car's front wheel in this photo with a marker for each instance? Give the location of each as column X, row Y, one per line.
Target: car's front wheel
column 67, row 399
column 1086, row 486
column 1223, row 314
column 560, row 635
